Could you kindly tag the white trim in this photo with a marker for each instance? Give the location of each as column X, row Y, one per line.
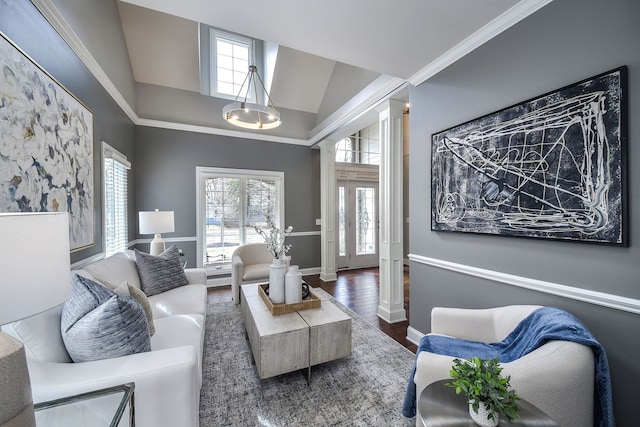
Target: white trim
column 592, row 297
column 305, row 233
column 364, row 100
column 501, row 23
column 57, row 21
column 215, row 131
column 414, row 335
column 84, row 262
column 168, row 240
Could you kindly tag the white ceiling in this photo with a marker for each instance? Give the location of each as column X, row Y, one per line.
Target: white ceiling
column 395, row 38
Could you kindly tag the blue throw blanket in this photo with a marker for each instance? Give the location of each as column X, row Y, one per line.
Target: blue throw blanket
column 542, row 325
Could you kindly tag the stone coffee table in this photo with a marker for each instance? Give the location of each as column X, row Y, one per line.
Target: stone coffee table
column 293, row 341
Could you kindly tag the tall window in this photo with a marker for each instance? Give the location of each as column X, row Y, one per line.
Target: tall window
column 230, row 57
column 362, row 147
column 230, row 203
column 116, row 228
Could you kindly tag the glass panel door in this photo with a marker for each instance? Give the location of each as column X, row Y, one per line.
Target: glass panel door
column 357, row 242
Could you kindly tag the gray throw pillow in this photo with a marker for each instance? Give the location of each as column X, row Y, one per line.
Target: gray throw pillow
column 98, row 323
column 160, row 273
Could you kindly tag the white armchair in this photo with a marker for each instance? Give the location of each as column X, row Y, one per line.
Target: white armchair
column 558, row 377
column 249, row 264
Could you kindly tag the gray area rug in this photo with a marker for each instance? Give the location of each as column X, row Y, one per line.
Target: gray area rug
column 364, row 389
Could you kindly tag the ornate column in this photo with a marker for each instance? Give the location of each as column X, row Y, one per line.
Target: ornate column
column 328, row 211
column 391, row 307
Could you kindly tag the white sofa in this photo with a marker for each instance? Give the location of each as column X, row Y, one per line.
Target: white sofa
column 167, row 379
column 558, row 377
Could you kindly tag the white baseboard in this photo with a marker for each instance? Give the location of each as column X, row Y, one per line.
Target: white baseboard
column 414, row 335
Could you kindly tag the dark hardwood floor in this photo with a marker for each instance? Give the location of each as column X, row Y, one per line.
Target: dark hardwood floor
column 356, row 289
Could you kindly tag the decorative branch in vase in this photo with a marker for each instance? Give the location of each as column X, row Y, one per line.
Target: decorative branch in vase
column 274, row 238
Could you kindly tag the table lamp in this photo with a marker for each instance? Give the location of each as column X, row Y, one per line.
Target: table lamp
column 156, row 222
column 35, row 276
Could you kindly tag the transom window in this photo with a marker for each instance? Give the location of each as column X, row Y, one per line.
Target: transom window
column 230, row 59
column 362, row 147
column 230, row 203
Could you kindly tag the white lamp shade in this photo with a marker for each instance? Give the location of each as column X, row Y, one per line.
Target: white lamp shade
column 156, row 222
column 35, row 274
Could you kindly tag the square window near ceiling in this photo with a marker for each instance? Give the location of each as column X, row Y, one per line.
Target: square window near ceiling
column 231, row 55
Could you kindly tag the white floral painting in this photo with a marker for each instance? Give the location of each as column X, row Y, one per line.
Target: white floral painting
column 46, row 146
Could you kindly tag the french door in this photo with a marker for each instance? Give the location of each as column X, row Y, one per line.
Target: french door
column 357, row 239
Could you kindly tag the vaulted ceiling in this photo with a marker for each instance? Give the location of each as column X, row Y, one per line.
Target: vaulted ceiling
column 329, row 50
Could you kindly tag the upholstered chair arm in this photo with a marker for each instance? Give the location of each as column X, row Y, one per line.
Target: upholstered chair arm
column 237, row 271
column 166, row 391
column 196, row 276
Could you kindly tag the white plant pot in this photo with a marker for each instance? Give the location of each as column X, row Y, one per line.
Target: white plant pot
column 293, row 285
column 277, row 271
column 482, row 417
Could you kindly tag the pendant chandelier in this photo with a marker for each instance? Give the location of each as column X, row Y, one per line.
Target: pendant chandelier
column 249, row 115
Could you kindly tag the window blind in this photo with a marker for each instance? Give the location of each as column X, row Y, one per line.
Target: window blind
column 116, row 225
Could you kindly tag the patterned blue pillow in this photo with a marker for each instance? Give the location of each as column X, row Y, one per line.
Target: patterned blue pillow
column 98, row 323
column 160, row 273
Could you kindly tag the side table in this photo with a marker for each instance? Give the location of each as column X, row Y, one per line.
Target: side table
column 440, row 406
column 112, row 407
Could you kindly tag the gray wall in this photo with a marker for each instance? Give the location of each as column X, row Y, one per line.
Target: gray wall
column 23, row 24
column 566, row 41
column 97, row 23
column 165, row 172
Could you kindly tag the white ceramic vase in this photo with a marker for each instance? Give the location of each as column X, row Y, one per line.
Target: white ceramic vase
column 293, row 285
column 277, row 271
column 482, row 417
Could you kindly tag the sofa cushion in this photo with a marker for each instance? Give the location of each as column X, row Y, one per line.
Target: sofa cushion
column 137, row 294
column 188, row 299
column 115, row 269
column 98, row 323
column 256, row 272
column 160, row 273
column 41, row 337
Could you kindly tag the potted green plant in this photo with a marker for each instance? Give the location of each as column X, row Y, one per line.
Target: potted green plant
column 488, row 392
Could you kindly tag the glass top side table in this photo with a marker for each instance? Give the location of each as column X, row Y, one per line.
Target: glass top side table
column 112, row 407
column 440, row 406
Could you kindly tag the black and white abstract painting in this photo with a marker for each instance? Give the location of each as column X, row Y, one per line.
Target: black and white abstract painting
column 46, row 145
column 552, row 167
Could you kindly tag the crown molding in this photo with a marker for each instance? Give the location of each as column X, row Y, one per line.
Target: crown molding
column 364, row 100
column 501, row 23
column 218, row 131
column 585, row 295
column 57, row 21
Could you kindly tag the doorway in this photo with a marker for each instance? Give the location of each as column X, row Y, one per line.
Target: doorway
column 357, row 220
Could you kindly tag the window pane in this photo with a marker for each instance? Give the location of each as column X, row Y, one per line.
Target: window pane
column 241, row 65
column 342, row 222
column 366, row 221
column 226, row 88
column 222, row 200
column 225, row 76
column 233, row 205
column 223, row 47
column 224, row 62
column 240, row 51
